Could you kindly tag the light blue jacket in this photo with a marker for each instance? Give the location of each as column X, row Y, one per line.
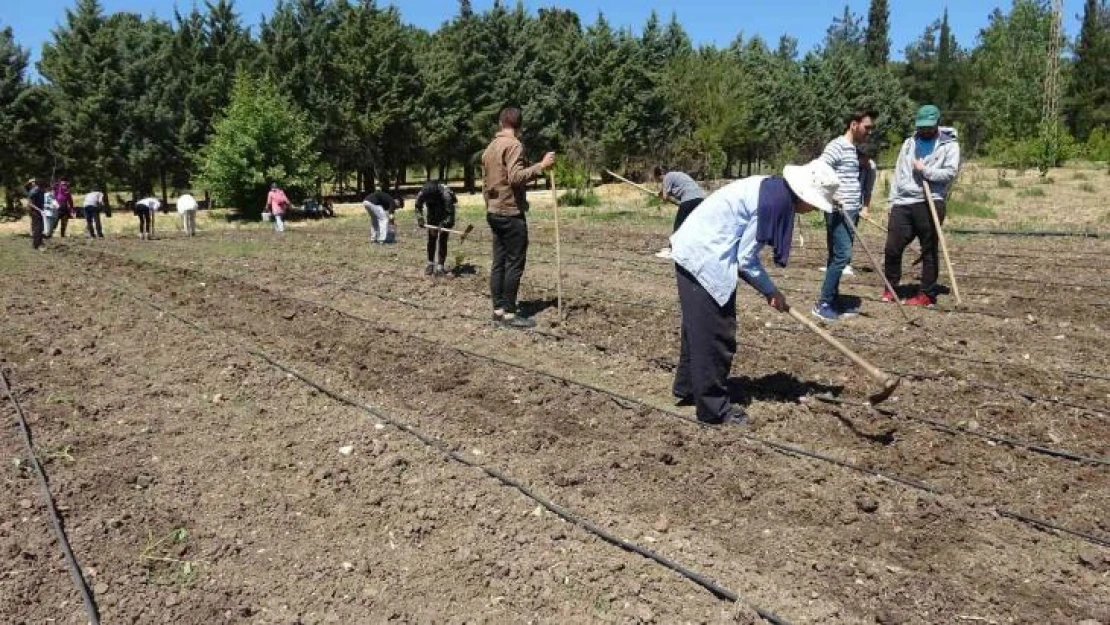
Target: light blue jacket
column 941, row 168
column 717, row 241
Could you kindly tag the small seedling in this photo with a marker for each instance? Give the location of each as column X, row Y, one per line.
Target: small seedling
column 63, row 453
column 163, row 570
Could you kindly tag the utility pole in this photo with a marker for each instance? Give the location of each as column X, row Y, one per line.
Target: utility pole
column 1050, row 116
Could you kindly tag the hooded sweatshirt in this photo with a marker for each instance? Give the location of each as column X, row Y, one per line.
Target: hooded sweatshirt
column 941, row 168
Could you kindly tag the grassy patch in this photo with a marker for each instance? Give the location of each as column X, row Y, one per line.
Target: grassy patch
column 1005, row 184
column 1087, row 187
column 976, row 197
column 1079, row 176
column 1046, row 180
column 964, row 208
column 1031, row 192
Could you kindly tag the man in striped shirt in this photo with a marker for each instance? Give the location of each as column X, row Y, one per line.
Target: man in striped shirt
column 841, row 154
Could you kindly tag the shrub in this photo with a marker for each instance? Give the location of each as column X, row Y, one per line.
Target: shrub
column 1087, row 187
column 1005, row 184
column 962, row 208
column 1031, row 192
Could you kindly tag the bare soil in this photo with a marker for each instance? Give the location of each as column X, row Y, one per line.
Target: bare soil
column 199, row 484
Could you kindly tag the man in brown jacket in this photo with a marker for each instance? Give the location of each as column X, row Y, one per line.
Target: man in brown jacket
column 505, row 179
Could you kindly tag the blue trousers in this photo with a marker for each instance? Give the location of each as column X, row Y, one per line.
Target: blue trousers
column 838, row 237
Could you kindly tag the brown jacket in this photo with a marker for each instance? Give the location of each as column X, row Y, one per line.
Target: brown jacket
column 506, row 174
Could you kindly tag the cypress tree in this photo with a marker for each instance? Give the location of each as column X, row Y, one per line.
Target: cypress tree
column 1089, row 97
column 878, row 33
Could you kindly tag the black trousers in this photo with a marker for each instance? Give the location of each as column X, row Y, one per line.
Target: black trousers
column 684, row 210
column 510, row 250
column 92, row 222
column 144, row 221
column 907, row 223
column 437, row 246
column 708, row 346
column 38, row 226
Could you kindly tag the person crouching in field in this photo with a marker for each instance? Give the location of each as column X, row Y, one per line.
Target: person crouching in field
column 717, row 243
column 90, row 209
column 931, row 155
column 681, row 188
column 64, row 198
column 380, row 206
column 144, row 209
column 187, row 208
column 435, row 207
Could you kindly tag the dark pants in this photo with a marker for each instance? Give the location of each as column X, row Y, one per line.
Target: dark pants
column 510, row 250
column 838, row 240
column 63, row 220
column 144, row 221
column 437, row 246
column 684, row 210
column 708, row 346
column 907, row 223
column 92, row 222
column 37, row 228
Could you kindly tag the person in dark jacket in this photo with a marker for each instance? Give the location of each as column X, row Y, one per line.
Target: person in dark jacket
column 36, row 198
column 435, row 209
column 380, row 206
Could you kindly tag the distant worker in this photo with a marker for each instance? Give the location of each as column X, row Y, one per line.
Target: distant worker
column 681, row 188
column 276, row 204
column 90, row 210
column 505, row 178
column 842, row 154
column 144, row 209
column 36, row 204
column 931, row 155
column 187, row 207
column 435, row 210
column 715, row 247
column 380, row 206
column 64, row 199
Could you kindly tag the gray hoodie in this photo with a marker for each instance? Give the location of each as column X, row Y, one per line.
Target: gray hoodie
column 941, row 168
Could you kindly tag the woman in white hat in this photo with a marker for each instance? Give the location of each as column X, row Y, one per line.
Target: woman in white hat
column 719, row 243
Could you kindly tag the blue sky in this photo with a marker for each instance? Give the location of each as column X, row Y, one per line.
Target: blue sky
column 707, row 21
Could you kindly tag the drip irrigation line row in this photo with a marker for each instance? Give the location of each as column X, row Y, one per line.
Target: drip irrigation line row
column 627, row 400
column 56, row 523
column 504, row 479
column 936, row 425
column 957, row 430
column 1084, row 234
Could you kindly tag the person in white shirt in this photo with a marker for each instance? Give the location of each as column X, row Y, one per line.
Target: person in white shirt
column 187, row 208
column 719, row 244
column 144, row 210
column 91, row 208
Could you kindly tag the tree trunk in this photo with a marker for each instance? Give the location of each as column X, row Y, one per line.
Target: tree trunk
column 443, row 172
column 468, row 177
column 162, row 179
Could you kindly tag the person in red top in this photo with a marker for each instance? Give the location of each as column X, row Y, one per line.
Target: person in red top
column 276, row 203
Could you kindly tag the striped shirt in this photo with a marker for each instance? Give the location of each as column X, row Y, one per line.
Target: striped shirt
column 841, row 155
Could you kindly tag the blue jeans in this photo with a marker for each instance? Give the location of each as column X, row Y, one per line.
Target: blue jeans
column 838, row 237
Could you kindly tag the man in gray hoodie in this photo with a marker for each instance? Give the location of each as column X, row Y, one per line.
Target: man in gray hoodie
column 931, row 155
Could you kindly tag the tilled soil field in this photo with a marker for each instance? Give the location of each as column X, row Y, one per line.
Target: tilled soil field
column 201, row 483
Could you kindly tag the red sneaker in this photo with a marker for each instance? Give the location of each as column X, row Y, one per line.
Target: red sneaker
column 921, row 299
column 888, row 296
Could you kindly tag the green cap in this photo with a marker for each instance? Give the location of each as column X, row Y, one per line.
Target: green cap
column 928, row 116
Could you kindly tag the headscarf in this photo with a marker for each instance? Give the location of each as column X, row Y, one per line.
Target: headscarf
column 775, row 222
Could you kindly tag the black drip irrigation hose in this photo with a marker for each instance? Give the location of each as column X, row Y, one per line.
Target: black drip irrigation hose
column 781, row 447
column 957, row 429
column 446, row 450
column 1046, row 525
column 52, row 509
column 1030, row 233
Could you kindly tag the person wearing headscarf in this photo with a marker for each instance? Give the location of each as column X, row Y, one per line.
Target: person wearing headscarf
column 719, row 244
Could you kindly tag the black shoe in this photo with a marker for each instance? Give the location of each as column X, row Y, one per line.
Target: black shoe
column 735, row 416
column 683, row 401
column 519, row 322
column 429, row 269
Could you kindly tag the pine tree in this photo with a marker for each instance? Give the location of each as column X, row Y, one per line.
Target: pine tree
column 24, row 119
column 1089, row 98
column 878, row 33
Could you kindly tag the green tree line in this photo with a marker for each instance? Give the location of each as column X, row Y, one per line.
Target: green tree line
column 136, row 103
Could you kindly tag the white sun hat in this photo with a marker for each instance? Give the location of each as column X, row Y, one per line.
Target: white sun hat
column 815, row 182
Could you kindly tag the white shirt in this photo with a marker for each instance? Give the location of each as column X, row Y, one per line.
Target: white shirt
column 94, row 199
column 151, row 203
column 717, row 242
column 186, row 203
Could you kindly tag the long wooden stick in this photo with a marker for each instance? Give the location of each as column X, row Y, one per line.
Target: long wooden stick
column 638, row 186
column 558, row 251
column 874, row 223
column 889, row 382
column 943, row 243
column 875, row 264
